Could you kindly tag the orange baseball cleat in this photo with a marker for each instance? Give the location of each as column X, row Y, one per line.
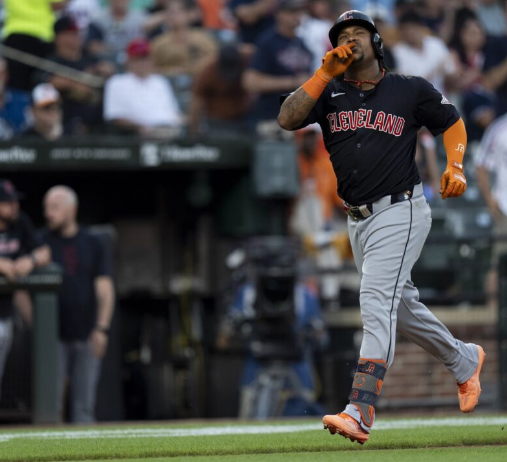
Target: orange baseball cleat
column 470, row 391
column 346, row 426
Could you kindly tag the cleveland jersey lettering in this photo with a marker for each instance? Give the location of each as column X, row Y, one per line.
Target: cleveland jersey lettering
column 362, row 118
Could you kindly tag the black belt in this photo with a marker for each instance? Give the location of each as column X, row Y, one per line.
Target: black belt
column 360, row 212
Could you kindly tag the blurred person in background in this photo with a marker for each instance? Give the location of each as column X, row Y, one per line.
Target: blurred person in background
column 113, row 29
column 281, row 63
column 420, row 54
column 140, row 101
column 254, row 17
column 317, row 216
column 158, row 22
column 215, row 15
column 14, row 106
column 183, row 49
column 83, row 12
column 471, row 49
column 81, row 103
column 20, row 253
column 426, row 158
column 28, row 27
column 491, row 174
column 86, row 302
column 220, row 102
column 315, row 25
column 47, row 114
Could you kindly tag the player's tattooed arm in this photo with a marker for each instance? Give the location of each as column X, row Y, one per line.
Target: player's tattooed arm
column 295, row 109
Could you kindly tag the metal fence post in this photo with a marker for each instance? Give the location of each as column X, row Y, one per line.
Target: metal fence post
column 45, row 358
column 502, row 328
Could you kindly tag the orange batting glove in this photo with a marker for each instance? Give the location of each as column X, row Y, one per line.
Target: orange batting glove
column 334, row 64
column 453, row 182
column 338, row 60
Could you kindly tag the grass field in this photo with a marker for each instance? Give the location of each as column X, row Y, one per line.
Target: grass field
column 467, row 438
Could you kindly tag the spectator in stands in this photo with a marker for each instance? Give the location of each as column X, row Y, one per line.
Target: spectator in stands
column 13, row 106
column 158, row 22
column 421, row 54
column 427, row 163
column 86, row 301
column 492, row 158
column 81, row 103
column 114, row 29
column 183, row 49
column 47, row 114
column 314, row 28
column 20, row 253
column 215, row 15
column 140, row 101
column 83, row 12
column 220, row 101
column 471, row 49
column 317, row 214
column 28, row 27
column 254, row 18
column 281, row 63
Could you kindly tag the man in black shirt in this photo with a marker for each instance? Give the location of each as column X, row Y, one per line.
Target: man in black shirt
column 20, row 253
column 370, row 119
column 86, row 300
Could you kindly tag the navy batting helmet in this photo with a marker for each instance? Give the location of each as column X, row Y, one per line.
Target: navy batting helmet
column 358, row 18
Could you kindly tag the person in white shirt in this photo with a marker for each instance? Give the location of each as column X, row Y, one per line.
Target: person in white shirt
column 492, row 158
column 421, row 54
column 140, row 101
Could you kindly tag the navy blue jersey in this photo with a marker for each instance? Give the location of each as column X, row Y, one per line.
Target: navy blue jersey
column 83, row 257
column 278, row 56
column 371, row 135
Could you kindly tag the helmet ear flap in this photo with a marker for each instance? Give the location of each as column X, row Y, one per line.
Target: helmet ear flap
column 378, row 44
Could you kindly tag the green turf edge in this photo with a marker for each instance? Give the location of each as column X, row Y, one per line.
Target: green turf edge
column 456, row 454
column 310, row 441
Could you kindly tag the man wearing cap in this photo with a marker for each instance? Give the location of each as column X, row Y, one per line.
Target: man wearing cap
column 140, row 101
column 47, row 114
column 80, row 102
column 281, row 63
column 20, row 253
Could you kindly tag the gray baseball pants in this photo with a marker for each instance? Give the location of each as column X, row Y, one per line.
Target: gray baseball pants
column 386, row 246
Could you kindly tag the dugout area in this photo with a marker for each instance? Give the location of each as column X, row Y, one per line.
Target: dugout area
column 173, row 216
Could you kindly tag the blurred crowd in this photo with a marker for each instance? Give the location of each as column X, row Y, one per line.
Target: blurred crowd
column 164, row 68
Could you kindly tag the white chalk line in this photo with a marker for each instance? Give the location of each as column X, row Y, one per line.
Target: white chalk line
column 240, row 429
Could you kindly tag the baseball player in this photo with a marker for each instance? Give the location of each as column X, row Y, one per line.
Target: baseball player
column 370, row 118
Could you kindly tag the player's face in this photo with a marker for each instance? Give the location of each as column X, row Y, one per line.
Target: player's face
column 57, row 211
column 362, row 38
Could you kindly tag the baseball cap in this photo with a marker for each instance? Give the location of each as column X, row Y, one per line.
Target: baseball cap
column 45, row 94
column 292, row 4
column 138, row 48
column 8, row 192
column 65, row 24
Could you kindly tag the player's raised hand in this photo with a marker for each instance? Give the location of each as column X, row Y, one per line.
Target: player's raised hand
column 338, row 60
column 453, row 182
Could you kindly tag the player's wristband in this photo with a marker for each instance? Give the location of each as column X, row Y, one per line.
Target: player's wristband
column 34, row 259
column 316, row 84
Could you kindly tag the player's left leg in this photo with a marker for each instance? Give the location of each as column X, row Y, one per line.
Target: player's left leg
column 463, row 360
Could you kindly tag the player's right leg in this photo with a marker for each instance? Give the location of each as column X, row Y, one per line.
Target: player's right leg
column 464, row 360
